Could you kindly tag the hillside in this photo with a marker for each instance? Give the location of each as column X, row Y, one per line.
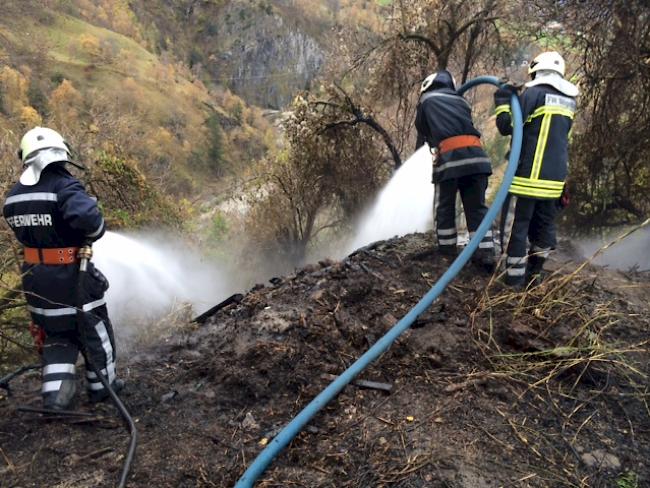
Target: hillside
column 120, row 102
column 181, row 109
column 491, row 388
column 166, row 91
column 265, row 52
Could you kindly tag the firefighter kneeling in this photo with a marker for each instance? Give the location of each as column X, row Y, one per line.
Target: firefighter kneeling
column 52, row 216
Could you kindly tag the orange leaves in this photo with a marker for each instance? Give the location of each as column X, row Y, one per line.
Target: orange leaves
column 13, row 90
column 65, row 102
column 90, row 45
column 29, row 117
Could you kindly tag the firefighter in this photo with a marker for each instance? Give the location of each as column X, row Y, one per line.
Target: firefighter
column 444, row 121
column 52, row 216
column 548, row 107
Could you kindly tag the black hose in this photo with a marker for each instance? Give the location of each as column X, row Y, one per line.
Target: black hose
column 126, row 466
column 4, row 381
column 49, row 411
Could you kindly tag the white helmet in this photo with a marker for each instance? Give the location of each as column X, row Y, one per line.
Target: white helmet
column 40, row 138
column 550, row 60
column 39, row 148
column 443, row 77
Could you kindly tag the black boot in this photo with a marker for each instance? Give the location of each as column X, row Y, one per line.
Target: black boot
column 516, row 283
column 534, row 269
column 101, row 395
column 62, row 398
column 448, row 250
column 484, row 260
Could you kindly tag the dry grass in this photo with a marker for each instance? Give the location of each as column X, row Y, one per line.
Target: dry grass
column 565, row 346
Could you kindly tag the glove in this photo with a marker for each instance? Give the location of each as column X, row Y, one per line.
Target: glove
column 504, row 93
column 38, row 334
column 565, row 199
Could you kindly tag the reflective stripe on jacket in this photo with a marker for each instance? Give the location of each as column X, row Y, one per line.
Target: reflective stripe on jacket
column 56, row 212
column 543, row 164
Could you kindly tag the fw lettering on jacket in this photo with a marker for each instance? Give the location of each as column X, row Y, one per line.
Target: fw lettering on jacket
column 28, row 220
column 560, row 101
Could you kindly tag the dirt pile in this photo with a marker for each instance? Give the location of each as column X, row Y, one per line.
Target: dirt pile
column 544, row 387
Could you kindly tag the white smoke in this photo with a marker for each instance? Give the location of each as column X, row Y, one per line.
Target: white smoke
column 631, row 252
column 152, row 276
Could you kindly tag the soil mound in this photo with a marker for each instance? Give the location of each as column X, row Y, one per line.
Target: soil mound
column 542, row 387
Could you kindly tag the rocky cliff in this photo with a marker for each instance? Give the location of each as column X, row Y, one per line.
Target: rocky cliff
column 264, row 53
column 263, row 57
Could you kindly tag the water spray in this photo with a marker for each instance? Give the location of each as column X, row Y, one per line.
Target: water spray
column 152, row 275
column 405, row 205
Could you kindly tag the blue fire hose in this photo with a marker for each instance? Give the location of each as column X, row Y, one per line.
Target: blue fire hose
column 292, row 429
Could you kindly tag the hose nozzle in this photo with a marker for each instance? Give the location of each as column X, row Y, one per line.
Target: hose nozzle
column 84, row 254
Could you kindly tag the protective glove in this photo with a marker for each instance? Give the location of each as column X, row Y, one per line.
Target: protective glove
column 503, row 94
column 565, row 199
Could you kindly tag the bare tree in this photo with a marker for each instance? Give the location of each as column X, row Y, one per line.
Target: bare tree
column 421, row 36
column 346, row 112
column 446, row 28
column 332, row 165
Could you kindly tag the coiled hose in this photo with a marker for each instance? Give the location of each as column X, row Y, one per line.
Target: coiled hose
column 292, row 429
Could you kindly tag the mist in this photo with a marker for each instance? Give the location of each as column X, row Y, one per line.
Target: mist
column 154, row 276
column 631, row 252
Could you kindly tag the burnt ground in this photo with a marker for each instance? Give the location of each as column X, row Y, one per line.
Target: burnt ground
column 541, row 388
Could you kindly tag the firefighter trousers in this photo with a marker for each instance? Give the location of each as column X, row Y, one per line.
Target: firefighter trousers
column 527, row 220
column 51, row 298
column 472, row 193
column 61, row 350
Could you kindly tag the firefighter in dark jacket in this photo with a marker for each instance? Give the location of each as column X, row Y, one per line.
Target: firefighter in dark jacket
column 548, row 107
column 52, row 216
column 444, row 122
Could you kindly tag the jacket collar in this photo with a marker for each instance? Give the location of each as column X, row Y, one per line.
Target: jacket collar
column 554, row 79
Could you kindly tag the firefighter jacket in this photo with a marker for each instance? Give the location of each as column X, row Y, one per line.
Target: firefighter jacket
column 443, row 114
column 56, row 212
column 543, row 164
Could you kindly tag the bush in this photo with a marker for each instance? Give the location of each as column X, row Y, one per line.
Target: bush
column 127, row 198
column 215, row 152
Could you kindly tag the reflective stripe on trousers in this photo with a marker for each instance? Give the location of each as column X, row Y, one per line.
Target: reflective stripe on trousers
column 94, row 384
column 54, row 374
column 487, row 242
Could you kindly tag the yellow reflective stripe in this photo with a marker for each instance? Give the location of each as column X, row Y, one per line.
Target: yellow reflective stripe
column 501, row 109
column 544, row 184
column 541, row 147
column 534, row 192
column 546, row 110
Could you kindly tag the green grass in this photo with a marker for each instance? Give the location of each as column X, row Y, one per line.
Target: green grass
column 68, row 59
column 628, row 480
column 66, row 30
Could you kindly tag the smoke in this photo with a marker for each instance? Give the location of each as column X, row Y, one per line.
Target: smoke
column 153, row 277
column 631, row 252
